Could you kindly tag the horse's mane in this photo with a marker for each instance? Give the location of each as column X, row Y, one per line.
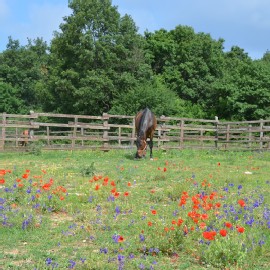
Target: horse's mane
column 142, row 127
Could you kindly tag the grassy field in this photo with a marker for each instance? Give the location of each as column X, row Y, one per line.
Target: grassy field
column 104, row 210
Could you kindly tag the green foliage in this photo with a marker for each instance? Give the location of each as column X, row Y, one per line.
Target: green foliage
column 22, row 68
column 98, row 62
column 11, row 102
column 88, row 170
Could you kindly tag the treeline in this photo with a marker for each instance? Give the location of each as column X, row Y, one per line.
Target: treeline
column 99, row 62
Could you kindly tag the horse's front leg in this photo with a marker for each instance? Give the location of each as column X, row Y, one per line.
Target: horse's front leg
column 151, row 147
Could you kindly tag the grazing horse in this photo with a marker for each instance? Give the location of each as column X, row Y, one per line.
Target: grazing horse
column 145, row 124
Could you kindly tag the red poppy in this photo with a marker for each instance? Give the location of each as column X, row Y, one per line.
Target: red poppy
column 97, row 187
column 2, row 181
column 202, row 225
column 240, row 229
column 218, row 204
column 129, row 184
column 116, row 194
column 126, row 194
column 204, row 216
column 46, row 186
column 61, row 188
column 154, row 212
column 61, row 198
column 209, row 235
column 180, row 221
column 241, row 203
column 223, row 232
column 120, row 239
column 228, row 225
column 25, row 176
column 174, row 222
column 112, row 183
column 150, row 223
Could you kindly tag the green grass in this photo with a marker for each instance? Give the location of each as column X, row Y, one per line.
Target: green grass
column 76, row 221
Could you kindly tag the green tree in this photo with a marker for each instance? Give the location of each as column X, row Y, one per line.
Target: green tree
column 245, row 87
column 189, row 63
column 96, row 57
column 22, row 68
column 156, row 96
column 10, row 99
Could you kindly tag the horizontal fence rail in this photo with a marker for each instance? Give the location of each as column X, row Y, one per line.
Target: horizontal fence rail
column 65, row 131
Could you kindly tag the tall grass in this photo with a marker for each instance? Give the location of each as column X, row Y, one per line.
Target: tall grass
column 104, row 210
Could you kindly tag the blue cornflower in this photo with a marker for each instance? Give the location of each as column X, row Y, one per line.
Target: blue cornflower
column 103, row 250
column 71, row 264
column 240, row 187
column 131, row 256
column 142, row 238
column 2, row 200
column 120, row 258
column 117, row 210
column 141, row 266
column 115, row 238
column 48, row 261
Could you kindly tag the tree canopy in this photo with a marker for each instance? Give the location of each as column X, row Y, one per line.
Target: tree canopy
column 98, row 62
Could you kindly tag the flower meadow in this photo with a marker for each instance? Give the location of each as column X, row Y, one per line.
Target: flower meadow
column 183, row 210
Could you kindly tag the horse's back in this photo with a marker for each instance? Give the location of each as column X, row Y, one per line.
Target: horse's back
column 146, row 121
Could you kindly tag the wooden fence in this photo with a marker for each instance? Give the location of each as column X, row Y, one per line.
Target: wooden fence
column 64, row 131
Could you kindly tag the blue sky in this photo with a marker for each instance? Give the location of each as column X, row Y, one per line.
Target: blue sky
column 244, row 23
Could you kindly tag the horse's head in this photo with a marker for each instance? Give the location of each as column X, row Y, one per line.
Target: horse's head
column 141, row 148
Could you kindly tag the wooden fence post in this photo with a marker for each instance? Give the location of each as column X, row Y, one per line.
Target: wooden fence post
column 82, row 134
column 182, row 124
column 133, row 132
column 105, row 131
column 249, row 135
column 216, row 135
column 227, row 135
column 119, row 135
column 4, row 121
column 261, row 133
column 48, row 135
column 74, row 132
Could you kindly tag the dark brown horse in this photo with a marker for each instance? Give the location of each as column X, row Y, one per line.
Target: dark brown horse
column 145, row 124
